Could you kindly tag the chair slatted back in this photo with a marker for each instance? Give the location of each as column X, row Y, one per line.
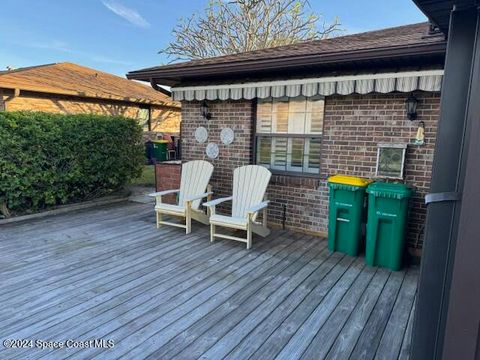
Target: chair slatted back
column 195, row 178
column 249, row 186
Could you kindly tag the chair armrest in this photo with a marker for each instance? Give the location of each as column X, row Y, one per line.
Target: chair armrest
column 161, row 193
column 198, row 197
column 217, row 201
column 258, row 207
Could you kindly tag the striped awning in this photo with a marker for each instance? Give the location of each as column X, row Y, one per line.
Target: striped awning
column 426, row 80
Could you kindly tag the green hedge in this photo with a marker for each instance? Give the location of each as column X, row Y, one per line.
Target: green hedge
column 50, row 159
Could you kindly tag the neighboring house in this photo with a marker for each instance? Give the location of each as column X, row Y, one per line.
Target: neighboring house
column 72, row 89
column 315, row 109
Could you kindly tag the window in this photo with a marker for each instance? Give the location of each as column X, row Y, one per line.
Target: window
column 289, row 134
column 143, row 118
column 391, row 160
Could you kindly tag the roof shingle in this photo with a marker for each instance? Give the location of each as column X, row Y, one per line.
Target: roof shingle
column 402, row 36
column 75, row 80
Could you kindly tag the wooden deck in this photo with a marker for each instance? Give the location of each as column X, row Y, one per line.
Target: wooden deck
column 108, row 273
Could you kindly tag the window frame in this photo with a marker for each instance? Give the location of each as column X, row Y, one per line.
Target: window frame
column 314, row 136
column 399, row 146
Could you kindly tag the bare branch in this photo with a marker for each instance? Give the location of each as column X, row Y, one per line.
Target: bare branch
column 230, row 27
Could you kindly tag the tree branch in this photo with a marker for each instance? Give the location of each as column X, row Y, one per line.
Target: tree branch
column 245, row 25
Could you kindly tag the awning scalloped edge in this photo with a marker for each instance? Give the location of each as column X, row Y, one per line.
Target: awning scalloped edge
column 425, row 80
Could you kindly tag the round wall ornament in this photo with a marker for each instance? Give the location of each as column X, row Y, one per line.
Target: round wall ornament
column 212, row 150
column 227, row 136
column 201, row 134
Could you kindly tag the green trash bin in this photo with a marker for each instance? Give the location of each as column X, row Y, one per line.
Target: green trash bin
column 387, row 219
column 160, row 151
column 346, row 208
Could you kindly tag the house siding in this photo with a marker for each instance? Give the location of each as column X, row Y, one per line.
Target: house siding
column 163, row 119
column 353, row 127
column 166, row 120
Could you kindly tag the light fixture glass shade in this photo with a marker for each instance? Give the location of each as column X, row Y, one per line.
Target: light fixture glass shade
column 411, row 107
column 204, row 109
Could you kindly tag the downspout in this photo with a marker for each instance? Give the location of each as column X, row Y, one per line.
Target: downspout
column 155, row 86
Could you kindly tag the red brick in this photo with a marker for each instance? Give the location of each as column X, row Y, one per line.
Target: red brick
column 353, row 127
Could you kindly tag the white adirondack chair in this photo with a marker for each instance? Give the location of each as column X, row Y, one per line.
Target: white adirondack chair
column 249, row 186
column 193, row 188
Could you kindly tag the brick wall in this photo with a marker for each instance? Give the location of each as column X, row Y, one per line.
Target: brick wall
column 167, row 177
column 353, row 126
column 234, row 114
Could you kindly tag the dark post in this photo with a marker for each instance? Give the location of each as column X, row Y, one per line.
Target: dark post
column 462, row 339
column 448, row 177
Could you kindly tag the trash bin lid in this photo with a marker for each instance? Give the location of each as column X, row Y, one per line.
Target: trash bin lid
column 349, row 180
column 397, row 191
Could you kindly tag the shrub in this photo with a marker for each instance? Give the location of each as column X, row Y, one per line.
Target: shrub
column 50, row 159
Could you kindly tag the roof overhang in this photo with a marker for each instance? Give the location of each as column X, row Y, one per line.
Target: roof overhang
column 438, row 11
column 85, row 95
column 396, row 56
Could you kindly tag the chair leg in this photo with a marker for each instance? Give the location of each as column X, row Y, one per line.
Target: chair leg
column 159, row 218
column 188, row 217
column 188, row 229
column 264, row 218
column 212, row 233
column 249, row 238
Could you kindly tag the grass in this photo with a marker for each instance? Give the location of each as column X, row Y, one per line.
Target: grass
column 147, row 178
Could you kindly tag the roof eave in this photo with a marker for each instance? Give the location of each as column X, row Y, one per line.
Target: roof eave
column 233, row 68
column 438, row 11
column 90, row 96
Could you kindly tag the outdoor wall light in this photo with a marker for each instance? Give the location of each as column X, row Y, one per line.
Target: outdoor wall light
column 205, row 113
column 411, row 107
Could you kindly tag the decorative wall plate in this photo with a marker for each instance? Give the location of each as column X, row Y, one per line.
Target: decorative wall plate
column 227, row 136
column 201, row 134
column 212, row 150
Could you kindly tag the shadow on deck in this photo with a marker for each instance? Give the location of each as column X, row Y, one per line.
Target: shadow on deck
column 109, row 274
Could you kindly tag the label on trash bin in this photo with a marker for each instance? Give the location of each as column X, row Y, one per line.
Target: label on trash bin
column 343, row 204
column 386, row 214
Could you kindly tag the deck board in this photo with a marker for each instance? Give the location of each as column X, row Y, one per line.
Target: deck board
column 369, row 340
column 391, row 342
column 227, row 315
column 109, row 273
column 255, row 339
column 326, row 336
column 256, row 312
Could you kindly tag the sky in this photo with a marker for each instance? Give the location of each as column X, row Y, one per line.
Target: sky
column 118, row 36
